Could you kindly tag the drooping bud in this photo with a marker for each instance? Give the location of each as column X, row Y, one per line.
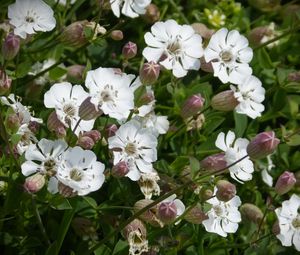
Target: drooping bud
column 224, row 101
column 55, row 125
column 129, row 50
column 65, row 190
column 214, row 162
column 117, row 35
column 34, row 183
column 167, row 212
column 195, row 215
column 149, row 72
column 88, row 111
column 120, row 169
column 150, row 216
column 75, row 73
column 262, row 145
column 5, row 83
column 10, row 46
column 192, row 106
column 285, row 183
column 203, row 30
column 226, row 190
column 152, row 14
column 111, row 130
column 251, row 213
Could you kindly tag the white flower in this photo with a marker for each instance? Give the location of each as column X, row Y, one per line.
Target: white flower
column 136, row 146
column 180, row 207
column 266, row 177
column 30, row 16
column 250, row 95
column 148, row 184
column 112, row 91
column 289, row 222
column 176, row 47
column 223, row 217
column 80, row 170
column 66, row 99
column 43, row 157
column 131, row 8
column 229, row 54
column 235, row 150
column 64, row 2
column 27, row 138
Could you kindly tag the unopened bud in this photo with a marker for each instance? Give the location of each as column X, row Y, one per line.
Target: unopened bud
column 192, row 106
column 214, row 162
column 152, row 14
column 5, row 83
column 150, row 216
column 55, row 125
column 202, row 30
column 285, row 183
column 206, row 194
column 149, row 73
column 117, row 35
column 13, row 122
column 34, row 183
column 75, row 73
column 73, row 35
column 252, row 213
column 262, row 145
column 226, row 190
column 224, row 101
column 167, row 212
column 88, row 111
column 93, row 134
column 10, row 46
column 129, row 50
column 120, row 170
column 195, row 215
column 85, row 142
column 111, row 130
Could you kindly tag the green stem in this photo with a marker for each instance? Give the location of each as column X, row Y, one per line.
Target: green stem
column 179, row 11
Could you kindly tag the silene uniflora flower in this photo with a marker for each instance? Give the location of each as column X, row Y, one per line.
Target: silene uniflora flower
column 136, row 146
column 80, row 171
column 229, row 54
column 223, row 217
column 176, row 47
column 289, row 222
column 30, row 16
column 130, row 8
column 148, row 184
column 112, row 91
column 235, row 149
column 66, row 99
column 250, row 94
column 265, row 173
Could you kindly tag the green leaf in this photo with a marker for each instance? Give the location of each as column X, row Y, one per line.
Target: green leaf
column 179, row 163
column 60, row 203
column 120, row 247
column 241, row 122
column 264, row 59
column 213, row 123
column 57, row 73
column 294, row 140
column 103, row 250
column 23, row 69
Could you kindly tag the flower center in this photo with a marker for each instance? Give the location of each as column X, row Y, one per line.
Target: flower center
column 106, row 96
column 29, row 19
column 50, row 166
column 130, row 149
column 218, row 210
column 174, row 48
column 69, row 110
column 296, row 222
column 76, row 175
column 226, row 56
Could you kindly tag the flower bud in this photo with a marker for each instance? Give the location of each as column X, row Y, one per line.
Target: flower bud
column 150, row 216
column 34, row 183
column 262, row 145
column 117, row 35
column 13, row 122
column 257, row 34
column 214, row 162
column 55, row 125
column 167, row 212
column 93, row 134
column 111, row 130
column 152, row 14
column 224, row 101
column 202, row 30
column 206, row 67
column 129, row 50
column 195, row 215
column 285, row 183
column 5, row 83
column 120, row 170
column 73, row 35
column 206, row 194
column 85, row 142
column 192, row 106
column 10, row 46
column 149, row 72
column 88, row 111
column 276, row 228
column 75, row 73
column 226, row 190
column 251, row 213
column 65, row 190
